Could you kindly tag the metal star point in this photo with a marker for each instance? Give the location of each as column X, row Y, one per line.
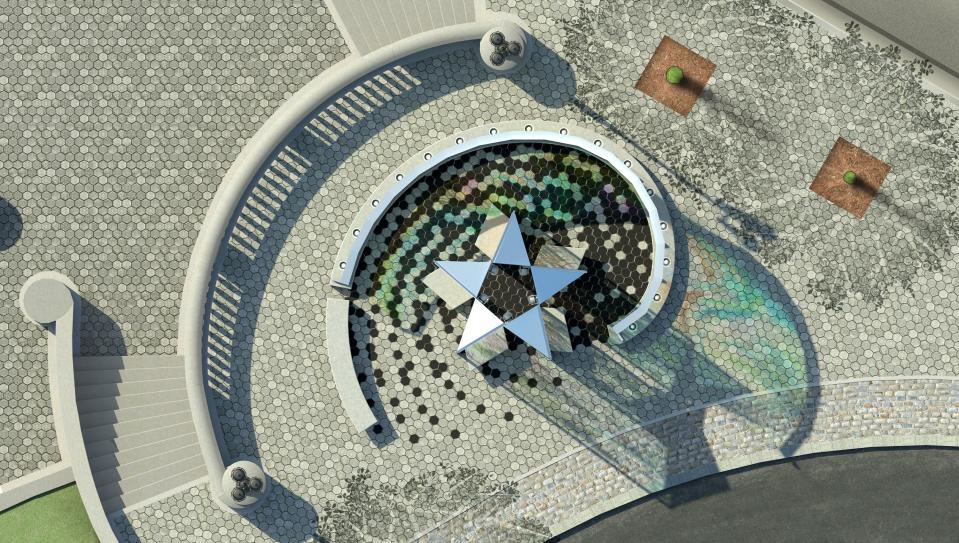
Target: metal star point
column 487, row 317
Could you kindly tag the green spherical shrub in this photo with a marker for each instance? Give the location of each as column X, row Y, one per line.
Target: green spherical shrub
column 849, row 177
column 674, row 75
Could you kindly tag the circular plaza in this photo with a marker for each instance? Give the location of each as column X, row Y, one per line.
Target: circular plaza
column 460, row 271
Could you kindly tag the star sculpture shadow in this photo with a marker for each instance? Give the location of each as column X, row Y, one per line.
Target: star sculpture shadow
column 508, row 291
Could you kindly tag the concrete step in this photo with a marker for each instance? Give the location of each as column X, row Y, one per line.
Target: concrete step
column 144, row 425
column 115, row 458
column 161, row 473
column 93, row 377
column 137, row 426
column 84, row 363
column 113, row 445
column 371, row 25
column 128, row 470
column 130, row 414
column 87, row 392
column 133, row 497
column 126, row 401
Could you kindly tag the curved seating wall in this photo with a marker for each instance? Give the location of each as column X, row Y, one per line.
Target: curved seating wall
column 248, row 166
column 341, row 364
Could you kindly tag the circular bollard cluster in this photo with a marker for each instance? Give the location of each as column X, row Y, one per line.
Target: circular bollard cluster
column 245, row 483
column 504, row 48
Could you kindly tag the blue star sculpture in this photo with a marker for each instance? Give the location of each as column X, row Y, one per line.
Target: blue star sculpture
column 508, row 291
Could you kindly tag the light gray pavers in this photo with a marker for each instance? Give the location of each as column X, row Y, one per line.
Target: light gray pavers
column 819, row 297
column 505, row 425
column 118, row 123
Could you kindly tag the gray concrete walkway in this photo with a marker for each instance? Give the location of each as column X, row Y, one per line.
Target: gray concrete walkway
column 877, row 495
column 927, row 27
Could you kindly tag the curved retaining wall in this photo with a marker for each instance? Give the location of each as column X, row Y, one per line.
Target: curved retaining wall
column 63, row 397
column 601, row 147
column 33, row 484
column 248, row 166
column 594, row 479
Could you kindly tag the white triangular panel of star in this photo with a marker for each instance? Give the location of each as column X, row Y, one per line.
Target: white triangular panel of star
column 481, row 323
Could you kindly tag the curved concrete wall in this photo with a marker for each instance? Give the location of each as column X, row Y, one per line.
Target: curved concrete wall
column 341, row 364
column 247, row 167
column 631, row 169
column 60, row 334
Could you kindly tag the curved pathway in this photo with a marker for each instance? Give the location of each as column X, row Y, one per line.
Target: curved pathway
column 875, row 495
column 729, row 435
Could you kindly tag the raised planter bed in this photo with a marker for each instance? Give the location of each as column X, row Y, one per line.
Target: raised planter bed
column 696, row 71
column 854, row 197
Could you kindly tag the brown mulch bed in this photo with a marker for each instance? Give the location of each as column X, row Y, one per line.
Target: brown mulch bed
column 870, row 173
column 696, row 73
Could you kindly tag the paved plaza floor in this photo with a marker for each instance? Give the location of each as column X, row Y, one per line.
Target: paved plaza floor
column 791, row 326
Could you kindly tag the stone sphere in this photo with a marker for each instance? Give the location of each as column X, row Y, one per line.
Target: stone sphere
column 237, row 494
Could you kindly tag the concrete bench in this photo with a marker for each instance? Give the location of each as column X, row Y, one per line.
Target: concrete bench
column 341, row 364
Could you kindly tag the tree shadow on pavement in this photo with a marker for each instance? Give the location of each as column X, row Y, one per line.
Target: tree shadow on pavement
column 11, row 224
column 729, row 330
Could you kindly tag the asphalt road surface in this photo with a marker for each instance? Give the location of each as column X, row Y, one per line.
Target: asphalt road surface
column 895, row 495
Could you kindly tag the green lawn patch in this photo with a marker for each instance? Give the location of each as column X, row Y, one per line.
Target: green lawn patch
column 57, row 515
